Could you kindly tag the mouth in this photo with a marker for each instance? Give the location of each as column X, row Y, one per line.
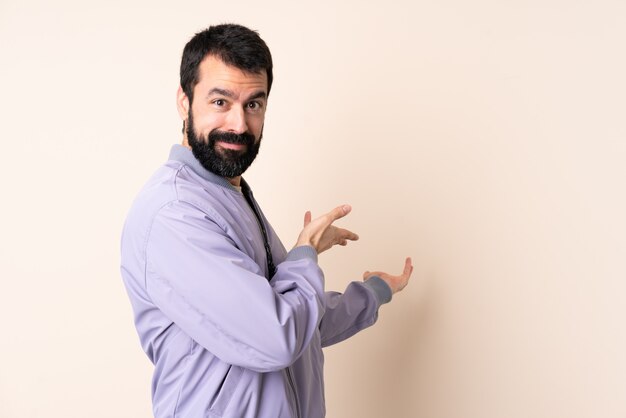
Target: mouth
column 231, row 146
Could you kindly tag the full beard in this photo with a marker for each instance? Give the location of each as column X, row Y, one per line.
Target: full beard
column 224, row 162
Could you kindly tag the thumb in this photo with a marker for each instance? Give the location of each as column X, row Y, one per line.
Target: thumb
column 307, row 217
column 339, row 212
column 366, row 275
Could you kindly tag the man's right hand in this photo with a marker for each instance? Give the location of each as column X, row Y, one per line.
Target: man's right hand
column 321, row 234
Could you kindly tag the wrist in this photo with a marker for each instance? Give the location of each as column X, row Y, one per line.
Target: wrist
column 302, row 251
column 381, row 288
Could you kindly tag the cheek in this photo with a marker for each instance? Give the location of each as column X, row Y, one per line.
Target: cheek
column 206, row 123
column 255, row 126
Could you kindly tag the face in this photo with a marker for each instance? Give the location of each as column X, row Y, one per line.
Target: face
column 225, row 121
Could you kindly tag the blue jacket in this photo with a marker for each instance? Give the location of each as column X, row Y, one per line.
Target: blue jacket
column 226, row 339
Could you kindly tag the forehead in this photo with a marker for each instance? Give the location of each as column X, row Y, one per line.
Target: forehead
column 213, row 72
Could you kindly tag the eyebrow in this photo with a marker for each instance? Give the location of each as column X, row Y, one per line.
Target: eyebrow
column 221, row 92
column 258, row 95
column 230, row 94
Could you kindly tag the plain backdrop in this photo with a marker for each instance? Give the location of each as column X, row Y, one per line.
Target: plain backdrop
column 486, row 139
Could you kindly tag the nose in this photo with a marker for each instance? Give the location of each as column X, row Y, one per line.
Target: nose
column 236, row 120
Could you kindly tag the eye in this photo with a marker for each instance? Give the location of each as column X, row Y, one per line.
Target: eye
column 219, row 102
column 254, row 105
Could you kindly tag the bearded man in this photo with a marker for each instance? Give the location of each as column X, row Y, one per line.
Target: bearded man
column 233, row 323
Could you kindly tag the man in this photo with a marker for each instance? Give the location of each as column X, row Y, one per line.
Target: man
column 233, row 323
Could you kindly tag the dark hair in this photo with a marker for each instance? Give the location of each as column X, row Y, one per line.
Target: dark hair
column 234, row 44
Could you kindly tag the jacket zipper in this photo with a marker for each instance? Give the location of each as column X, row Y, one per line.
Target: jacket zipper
column 293, row 390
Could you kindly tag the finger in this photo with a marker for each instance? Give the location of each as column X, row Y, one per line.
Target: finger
column 307, row 217
column 345, row 234
column 338, row 213
column 408, row 267
column 366, row 275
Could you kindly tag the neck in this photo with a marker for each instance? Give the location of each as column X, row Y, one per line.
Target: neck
column 235, row 181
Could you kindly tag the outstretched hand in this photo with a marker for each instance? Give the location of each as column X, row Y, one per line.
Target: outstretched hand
column 321, row 234
column 396, row 283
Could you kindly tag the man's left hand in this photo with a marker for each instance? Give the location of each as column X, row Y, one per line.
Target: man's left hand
column 396, row 283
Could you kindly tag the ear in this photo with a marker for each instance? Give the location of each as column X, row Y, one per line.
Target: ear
column 182, row 103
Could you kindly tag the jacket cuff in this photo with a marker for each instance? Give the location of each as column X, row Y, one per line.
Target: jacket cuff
column 303, row 251
column 380, row 288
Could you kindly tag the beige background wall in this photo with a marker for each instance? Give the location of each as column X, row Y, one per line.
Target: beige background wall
column 486, row 139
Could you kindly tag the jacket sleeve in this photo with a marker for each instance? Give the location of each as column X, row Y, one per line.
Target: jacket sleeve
column 354, row 310
column 216, row 293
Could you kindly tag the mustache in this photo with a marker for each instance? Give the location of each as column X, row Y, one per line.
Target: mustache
column 231, row 138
